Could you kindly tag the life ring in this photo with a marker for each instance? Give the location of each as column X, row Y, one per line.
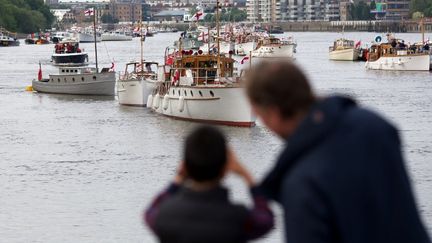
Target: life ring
column 378, row 39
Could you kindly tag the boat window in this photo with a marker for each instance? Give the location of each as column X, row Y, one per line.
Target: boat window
column 82, row 79
column 185, row 93
column 191, row 93
column 63, row 70
column 179, row 92
column 76, row 71
column 58, row 80
column 200, row 93
column 67, row 70
column 173, row 92
column 73, row 79
column 211, row 93
column 94, row 77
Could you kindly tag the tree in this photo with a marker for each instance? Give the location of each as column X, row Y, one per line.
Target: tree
column 417, row 15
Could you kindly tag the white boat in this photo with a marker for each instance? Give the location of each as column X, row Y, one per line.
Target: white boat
column 275, row 47
column 344, row 50
column 8, row 38
column 137, row 82
column 385, row 57
column 198, row 91
column 243, row 49
column 59, row 36
column 77, row 81
column 116, row 36
column 88, row 37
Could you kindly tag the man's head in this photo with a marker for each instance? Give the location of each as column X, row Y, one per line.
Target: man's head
column 280, row 95
column 205, row 154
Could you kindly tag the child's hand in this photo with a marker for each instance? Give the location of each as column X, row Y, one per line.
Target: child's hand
column 234, row 166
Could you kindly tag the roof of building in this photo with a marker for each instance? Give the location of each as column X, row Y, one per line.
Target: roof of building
column 170, row 13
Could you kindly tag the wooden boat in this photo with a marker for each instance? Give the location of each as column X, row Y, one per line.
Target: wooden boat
column 344, row 50
column 386, row 57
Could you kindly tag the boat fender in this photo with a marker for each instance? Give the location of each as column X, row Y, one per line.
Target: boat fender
column 156, row 101
column 378, row 39
column 165, row 102
column 150, row 100
column 181, row 103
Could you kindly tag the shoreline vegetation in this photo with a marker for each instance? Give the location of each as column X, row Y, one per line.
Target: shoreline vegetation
column 25, row 16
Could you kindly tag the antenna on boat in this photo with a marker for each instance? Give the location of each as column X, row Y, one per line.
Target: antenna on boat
column 217, row 36
column 94, row 35
column 142, row 42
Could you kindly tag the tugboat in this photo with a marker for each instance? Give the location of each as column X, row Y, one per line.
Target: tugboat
column 68, row 53
column 344, row 50
column 8, row 38
column 202, row 87
column 78, row 80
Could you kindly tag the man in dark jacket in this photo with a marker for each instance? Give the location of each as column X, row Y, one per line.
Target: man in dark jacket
column 341, row 177
column 196, row 208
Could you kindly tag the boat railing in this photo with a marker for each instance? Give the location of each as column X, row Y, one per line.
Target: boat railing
column 207, row 75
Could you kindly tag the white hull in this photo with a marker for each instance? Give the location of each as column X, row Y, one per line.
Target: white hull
column 344, row 55
column 88, row 38
column 227, row 105
column 244, row 49
column 275, row 51
column 80, row 84
column 401, row 63
column 134, row 92
column 115, row 37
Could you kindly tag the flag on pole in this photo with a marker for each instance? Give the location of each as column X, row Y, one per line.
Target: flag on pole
column 40, row 72
column 89, row 12
column 198, row 15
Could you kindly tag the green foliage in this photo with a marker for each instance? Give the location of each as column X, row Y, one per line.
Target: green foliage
column 417, row 15
column 228, row 15
column 25, row 16
column 360, row 11
column 422, row 6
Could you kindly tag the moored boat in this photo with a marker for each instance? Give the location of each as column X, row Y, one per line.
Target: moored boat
column 119, row 35
column 78, row 81
column 68, row 53
column 344, row 50
column 275, row 47
column 8, row 38
column 386, row 57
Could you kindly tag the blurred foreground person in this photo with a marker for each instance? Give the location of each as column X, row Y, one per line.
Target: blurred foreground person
column 341, row 176
column 196, row 209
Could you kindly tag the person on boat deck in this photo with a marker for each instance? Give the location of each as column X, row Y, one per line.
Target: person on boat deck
column 341, row 177
column 148, row 67
column 195, row 208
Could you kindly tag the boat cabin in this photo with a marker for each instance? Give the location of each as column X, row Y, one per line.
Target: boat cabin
column 342, row 44
column 201, row 69
column 134, row 70
column 76, row 70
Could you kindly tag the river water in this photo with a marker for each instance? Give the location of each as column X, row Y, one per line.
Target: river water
column 82, row 169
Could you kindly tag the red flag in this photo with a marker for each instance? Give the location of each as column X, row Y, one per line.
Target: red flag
column 244, row 60
column 198, row 15
column 40, row 72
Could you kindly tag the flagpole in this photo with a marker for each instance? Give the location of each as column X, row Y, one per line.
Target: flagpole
column 217, row 34
column 95, row 42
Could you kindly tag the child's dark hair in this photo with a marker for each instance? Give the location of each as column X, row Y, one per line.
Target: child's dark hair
column 205, row 154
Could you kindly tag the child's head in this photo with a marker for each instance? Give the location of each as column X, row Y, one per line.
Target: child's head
column 205, row 154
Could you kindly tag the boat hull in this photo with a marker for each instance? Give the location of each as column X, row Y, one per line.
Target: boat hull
column 66, row 59
column 88, row 38
column 344, row 55
column 227, row 105
column 109, row 37
column 275, row 51
column 84, row 84
column 9, row 43
column 401, row 63
column 134, row 92
column 243, row 49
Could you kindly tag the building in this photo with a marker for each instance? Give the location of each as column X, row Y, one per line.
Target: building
column 292, row 10
column 171, row 15
column 392, row 10
column 126, row 10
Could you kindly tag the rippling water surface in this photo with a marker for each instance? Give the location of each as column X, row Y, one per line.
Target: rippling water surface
column 81, row 169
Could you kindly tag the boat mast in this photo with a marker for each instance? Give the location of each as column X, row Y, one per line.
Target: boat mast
column 217, row 36
column 142, row 43
column 422, row 30
column 94, row 35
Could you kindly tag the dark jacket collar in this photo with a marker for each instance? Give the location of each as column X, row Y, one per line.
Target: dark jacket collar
column 218, row 193
column 321, row 120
